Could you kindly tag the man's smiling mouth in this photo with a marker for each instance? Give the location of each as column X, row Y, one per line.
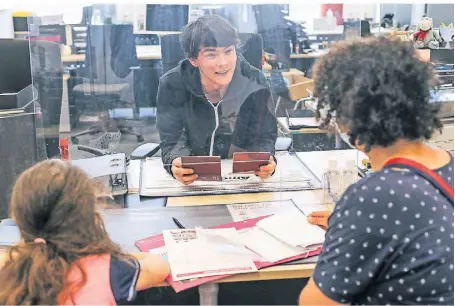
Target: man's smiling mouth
column 222, row 73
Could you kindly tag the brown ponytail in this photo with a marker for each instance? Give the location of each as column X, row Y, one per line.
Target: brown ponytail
column 55, row 202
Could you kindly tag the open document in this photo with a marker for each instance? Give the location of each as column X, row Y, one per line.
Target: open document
column 208, row 252
column 226, row 247
column 290, row 175
column 293, row 229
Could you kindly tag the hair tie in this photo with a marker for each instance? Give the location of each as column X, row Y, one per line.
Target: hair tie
column 39, row 240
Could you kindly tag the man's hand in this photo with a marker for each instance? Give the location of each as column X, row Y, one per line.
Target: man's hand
column 183, row 175
column 266, row 171
column 319, row 218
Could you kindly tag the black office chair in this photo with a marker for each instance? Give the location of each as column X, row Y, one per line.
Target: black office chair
column 276, row 42
column 107, row 80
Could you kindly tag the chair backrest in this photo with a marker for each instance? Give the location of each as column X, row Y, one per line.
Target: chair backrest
column 15, row 72
column 250, row 47
column 111, row 51
column 276, row 41
column 110, row 54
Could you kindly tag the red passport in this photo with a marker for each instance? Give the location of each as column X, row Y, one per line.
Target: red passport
column 245, row 162
column 208, row 168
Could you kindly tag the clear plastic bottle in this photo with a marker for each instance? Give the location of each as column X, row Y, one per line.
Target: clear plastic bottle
column 331, row 182
column 349, row 174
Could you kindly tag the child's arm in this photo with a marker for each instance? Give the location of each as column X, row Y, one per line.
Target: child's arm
column 154, row 270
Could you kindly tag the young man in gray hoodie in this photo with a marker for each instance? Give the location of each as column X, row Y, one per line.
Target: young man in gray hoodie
column 214, row 103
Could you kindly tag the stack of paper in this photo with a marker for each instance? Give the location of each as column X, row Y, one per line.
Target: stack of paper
column 221, row 251
column 207, row 252
column 199, row 253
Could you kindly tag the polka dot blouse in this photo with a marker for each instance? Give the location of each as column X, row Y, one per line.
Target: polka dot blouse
column 390, row 241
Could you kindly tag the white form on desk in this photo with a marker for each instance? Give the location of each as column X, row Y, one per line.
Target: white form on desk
column 241, row 212
column 267, row 246
column 192, row 255
column 133, row 172
column 293, row 229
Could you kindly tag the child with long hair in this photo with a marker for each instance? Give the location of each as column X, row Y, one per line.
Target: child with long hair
column 65, row 255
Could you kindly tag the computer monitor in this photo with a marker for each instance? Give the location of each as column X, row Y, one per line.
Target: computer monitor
column 442, row 55
column 15, row 71
column 166, row 18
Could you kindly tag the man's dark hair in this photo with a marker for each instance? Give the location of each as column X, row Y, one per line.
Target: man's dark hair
column 379, row 90
column 207, row 31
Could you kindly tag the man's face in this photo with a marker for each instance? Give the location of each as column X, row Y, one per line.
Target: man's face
column 216, row 65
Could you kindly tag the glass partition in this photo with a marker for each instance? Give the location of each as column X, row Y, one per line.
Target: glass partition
column 112, row 77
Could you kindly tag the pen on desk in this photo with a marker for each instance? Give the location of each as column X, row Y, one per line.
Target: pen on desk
column 177, row 222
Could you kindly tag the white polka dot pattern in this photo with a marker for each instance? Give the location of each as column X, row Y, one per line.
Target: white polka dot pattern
column 391, row 243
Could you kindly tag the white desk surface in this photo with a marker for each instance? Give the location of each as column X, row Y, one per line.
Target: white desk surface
column 314, row 54
column 143, row 53
column 282, row 121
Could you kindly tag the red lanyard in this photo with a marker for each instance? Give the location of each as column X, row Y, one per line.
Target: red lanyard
column 427, row 173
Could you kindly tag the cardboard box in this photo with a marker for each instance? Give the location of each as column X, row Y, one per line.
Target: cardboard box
column 298, row 83
column 298, row 87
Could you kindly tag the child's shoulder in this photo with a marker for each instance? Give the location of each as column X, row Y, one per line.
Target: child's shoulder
column 115, row 276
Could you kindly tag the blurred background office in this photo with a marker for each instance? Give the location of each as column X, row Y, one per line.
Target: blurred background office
column 96, row 67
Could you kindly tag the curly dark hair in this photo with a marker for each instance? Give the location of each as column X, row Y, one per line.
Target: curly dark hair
column 379, row 90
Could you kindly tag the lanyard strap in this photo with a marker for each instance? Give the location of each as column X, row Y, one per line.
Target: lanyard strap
column 427, row 173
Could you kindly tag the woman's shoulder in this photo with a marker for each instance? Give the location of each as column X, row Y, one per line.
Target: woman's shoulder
column 379, row 187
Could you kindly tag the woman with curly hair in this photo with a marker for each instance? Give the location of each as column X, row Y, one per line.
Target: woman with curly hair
column 390, row 237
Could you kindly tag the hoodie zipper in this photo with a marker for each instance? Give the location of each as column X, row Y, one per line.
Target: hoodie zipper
column 217, row 123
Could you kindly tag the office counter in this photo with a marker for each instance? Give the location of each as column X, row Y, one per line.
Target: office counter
column 146, row 217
